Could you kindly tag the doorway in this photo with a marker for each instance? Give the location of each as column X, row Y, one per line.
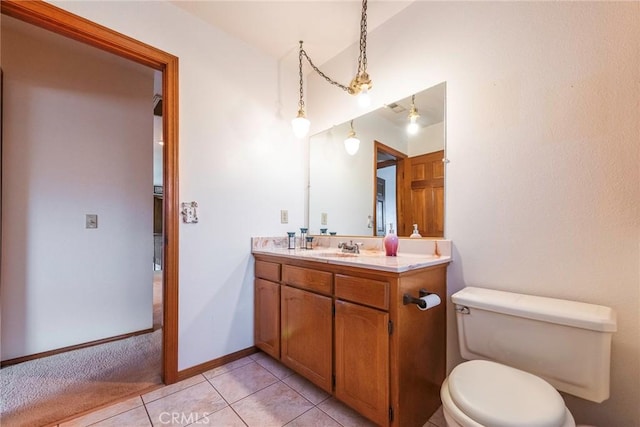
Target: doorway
column 389, row 166
column 59, row 21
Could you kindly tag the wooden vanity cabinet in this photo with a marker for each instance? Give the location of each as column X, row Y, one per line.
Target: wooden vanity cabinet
column 362, row 330
column 362, row 359
column 347, row 330
column 307, row 323
column 267, row 307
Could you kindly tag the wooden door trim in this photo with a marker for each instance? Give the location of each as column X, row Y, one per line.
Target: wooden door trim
column 52, row 18
column 400, row 158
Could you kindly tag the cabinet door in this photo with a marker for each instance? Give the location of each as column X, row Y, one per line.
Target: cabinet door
column 306, row 335
column 267, row 317
column 362, row 360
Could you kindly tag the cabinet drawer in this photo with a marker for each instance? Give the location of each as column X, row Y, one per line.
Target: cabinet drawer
column 369, row 292
column 314, row 280
column 268, row 270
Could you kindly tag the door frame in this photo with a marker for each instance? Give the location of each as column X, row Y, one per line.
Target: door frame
column 52, row 18
column 400, row 165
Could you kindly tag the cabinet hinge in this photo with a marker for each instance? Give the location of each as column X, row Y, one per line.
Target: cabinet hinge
column 390, row 414
column 390, row 327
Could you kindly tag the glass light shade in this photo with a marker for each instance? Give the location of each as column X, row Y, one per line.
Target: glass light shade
column 351, row 145
column 413, row 127
column 364, row 99
column 300, row 126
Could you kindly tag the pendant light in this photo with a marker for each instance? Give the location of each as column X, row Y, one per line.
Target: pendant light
column 413, row 127
column 360, row 84
column 352, row 143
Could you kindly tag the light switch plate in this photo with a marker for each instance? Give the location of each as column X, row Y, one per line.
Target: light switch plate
column 91, row 221
column 189, row 212
column 323, row 218
column 284, row 217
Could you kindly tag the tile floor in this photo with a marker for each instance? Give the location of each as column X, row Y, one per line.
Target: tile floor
column 253, row 391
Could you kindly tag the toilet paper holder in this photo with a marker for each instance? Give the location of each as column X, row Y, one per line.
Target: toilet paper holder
column 408, row 299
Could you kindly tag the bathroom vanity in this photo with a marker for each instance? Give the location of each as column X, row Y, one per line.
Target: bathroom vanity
column 340, row 321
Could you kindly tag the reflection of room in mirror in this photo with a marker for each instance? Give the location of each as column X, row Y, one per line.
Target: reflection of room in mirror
column 382, row 204
column 344, row 186
column 389, row 165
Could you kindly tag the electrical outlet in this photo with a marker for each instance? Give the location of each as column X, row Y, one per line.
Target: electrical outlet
column 323, row 218
column 284, row 217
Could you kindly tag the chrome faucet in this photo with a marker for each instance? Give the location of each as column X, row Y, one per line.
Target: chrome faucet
column 353, row 248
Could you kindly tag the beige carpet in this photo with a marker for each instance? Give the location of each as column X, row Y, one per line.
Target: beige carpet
column 43, row 391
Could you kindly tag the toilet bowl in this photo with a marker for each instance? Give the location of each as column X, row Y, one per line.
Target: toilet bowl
column 520, row 350
column 481, row 393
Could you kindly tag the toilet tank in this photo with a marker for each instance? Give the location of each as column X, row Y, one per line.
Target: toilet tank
column 567, row 343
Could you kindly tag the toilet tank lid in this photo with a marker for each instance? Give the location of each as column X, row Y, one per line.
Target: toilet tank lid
column 564, row 312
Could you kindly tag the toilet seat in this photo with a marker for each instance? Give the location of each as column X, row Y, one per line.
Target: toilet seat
column 483, row 393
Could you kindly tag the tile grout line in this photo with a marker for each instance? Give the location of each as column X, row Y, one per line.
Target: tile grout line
column 328, row 414
column 147, row 411
column 279, row 380
column 230, row 404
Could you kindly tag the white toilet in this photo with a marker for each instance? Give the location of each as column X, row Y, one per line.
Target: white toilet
column 521, row 348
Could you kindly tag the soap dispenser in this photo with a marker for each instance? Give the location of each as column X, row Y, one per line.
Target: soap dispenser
column 390, row 242
column 415, row 234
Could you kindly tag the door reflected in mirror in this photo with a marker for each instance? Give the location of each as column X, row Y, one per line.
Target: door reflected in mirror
column 396, row 177
column 389, row 166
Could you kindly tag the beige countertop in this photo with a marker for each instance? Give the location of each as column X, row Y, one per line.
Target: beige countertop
column 417, row 254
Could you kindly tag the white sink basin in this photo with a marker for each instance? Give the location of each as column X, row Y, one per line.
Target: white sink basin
column 336, row 255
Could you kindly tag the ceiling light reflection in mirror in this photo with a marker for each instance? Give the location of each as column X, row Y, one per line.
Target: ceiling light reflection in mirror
column 341, row 186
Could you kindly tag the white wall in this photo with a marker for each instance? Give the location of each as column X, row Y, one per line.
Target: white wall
column 77, row 140
column 429, row 139
column 542, row 134
column 390, row 207
column 158, row 137
column 237, row 159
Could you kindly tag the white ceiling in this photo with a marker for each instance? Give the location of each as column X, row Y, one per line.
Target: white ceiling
column 430, row 104
column 275, row 27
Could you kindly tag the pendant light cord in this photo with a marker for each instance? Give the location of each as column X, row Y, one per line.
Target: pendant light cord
column 360, row 84
column 301, row 100
column 317, row 70
column 362, row 58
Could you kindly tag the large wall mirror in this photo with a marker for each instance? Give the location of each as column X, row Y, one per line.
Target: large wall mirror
column 396, row 177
